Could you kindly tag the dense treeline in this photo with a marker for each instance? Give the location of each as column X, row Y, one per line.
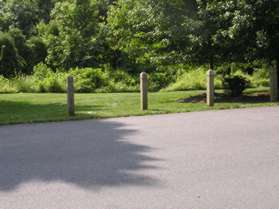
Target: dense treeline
column 135, row 35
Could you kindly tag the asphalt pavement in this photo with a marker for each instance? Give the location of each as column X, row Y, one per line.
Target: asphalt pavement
column 225, row 159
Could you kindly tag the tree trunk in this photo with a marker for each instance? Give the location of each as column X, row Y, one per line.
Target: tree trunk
column 277, row 67
column 211, row 63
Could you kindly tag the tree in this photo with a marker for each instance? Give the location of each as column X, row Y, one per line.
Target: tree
column 45, row 8
column 152, row 33
column 23, row 14
column 74, row 35
column 10, row 60
column 160, row 32
column 37, row 52
column 5, row 16
column 252, row 28
column 131, row 29
column 265, row 26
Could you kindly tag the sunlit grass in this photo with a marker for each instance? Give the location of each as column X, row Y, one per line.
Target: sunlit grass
column 26, row 108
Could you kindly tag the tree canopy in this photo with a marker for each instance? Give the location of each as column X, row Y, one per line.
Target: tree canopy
column 135, row 34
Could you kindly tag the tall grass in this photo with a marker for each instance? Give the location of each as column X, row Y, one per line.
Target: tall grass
column 88, row 80
column 192, row 80
column 7, row 86
column 260, row 78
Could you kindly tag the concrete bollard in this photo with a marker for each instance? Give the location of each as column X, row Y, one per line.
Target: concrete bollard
column 144, row 90
column 273, row 83
column 70, row 96
column 210, row 88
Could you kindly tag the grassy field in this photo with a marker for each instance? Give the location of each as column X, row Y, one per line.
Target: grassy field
column 27, row 108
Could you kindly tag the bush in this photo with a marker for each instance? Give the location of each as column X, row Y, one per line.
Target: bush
column 24, row 84
column 6, row 85
column 41, row 71
column 165, row 75
column 48, row 81
column 121, row 81
column 158, row 80
column 236, row 85
column 89, row 79
column 53, row 83
column 169, row 78
column 86, row 80
column 192, row 80
column 260, row 78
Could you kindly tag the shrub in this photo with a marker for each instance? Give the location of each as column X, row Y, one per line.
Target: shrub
column 169, row 78
column 6, row 85
column 192, row 80
column 159, row 80
column 24, row 84
column 121, row 81
column 89, row 79
column 41, row 71
column 37, row 50
column 165, row 75
column 260, row 78
column 236, row 84
column 52, row 83
column 48, row 81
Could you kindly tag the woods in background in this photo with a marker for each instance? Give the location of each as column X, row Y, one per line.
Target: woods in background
column 135, row 35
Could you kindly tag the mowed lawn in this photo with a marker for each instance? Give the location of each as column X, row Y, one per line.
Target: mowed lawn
column 27, row 108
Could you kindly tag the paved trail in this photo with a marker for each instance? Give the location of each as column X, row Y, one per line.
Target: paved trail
column 206, row 160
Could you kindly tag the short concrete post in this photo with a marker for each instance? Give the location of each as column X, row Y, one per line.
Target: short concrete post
column 144, row 90
column 210, row 88
column 273, row 83
column 70, row 96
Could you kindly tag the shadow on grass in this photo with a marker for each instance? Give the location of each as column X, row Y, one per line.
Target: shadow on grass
column 222, row 98
column 89, row 154
column 20, row 105
column 19, row 111
column 245, row 99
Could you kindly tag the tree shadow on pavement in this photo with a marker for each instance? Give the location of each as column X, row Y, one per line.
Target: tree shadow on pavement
column 90, row 154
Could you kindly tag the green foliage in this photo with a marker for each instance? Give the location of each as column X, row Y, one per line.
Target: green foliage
column 164, row 76
column 18, row 55
column 24, row 84
column 152, row 33
column 260, row 78
column 105, row 80
column 131, row 29
column 9, row 55
column 107, row 43
column 194, row 79
column 18, row 20
column 121, row 81
column 246, row 29
column 24, row 14
column 37, row 50
column 256, row 73
column 99, row 80
column 45, row 80
column 6, row 86
column 88, row 79
column 74, row 35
